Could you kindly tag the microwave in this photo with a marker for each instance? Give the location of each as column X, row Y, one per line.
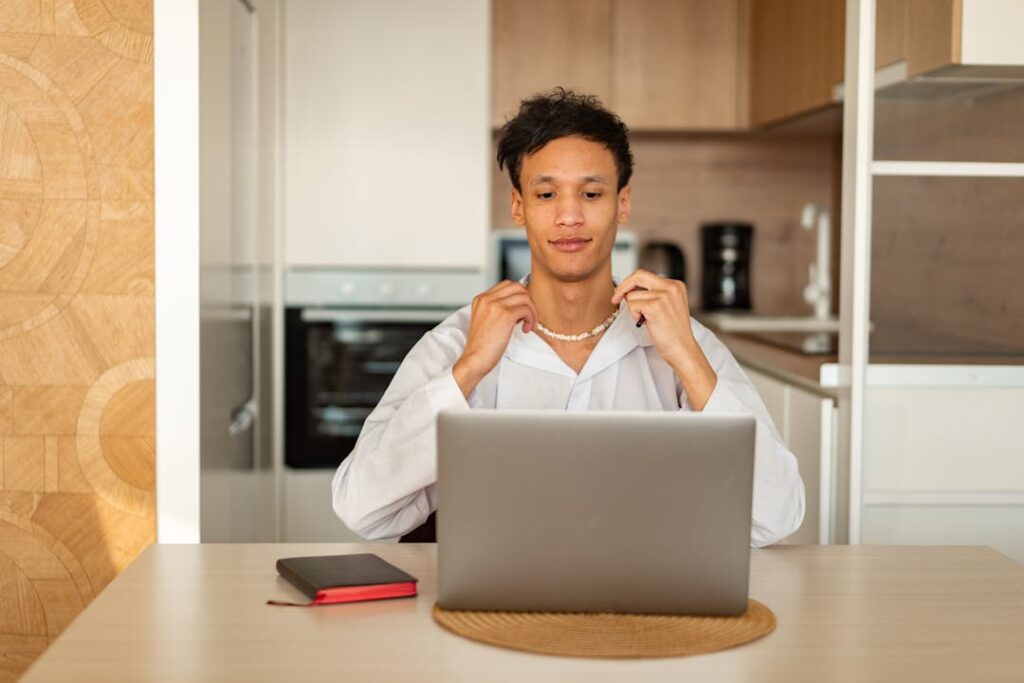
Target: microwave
column 509, row 257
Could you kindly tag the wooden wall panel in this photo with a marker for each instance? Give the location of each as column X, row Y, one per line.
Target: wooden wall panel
column 76, row 309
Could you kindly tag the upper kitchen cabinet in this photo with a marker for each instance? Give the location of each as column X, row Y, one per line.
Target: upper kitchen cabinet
column 387, row 137
column 923, row 36
column 659, row 64
column 797, row 48
column 538, row 44
column 679, row 64
column 796, row 56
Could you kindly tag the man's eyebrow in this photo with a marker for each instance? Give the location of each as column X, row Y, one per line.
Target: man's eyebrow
column 541, row 179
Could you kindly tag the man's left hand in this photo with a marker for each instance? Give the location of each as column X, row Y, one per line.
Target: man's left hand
column 666, row 310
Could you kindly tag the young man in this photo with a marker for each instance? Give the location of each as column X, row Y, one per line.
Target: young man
column 564, row 338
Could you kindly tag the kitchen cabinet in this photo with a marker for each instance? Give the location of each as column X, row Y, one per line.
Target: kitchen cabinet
column 237, row 493
column 659, row 64
column 307, row 515
column 932, row 471
column 387, row 142
column 538, row 45
column 805, row 421
column 667, row 65
column 796, row 49
column 678, row 64
column 931, row 34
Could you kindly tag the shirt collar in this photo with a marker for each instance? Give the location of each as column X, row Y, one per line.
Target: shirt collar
column 621, row 337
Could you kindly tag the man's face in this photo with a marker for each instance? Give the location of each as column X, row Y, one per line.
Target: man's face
column 570, row 207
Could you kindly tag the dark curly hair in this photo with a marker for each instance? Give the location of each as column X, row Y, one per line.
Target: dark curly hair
column 558, row 114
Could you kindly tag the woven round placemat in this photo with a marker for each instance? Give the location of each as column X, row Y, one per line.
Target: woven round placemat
column 609, row 635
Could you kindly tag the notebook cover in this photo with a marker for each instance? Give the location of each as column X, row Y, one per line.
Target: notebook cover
column 346, row 578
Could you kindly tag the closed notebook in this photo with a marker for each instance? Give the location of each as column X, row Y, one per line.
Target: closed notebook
column 345, row 578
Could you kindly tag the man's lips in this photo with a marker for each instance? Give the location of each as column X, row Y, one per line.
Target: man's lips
column 570, row 243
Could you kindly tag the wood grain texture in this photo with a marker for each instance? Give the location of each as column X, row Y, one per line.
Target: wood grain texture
column 76, row 309
column 890, row 31
column 797, row 50
column 933, row 34
column 538, row 45
column 845, row 614
column 676, row 64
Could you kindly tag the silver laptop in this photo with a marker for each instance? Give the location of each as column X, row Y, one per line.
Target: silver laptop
column 635, row 512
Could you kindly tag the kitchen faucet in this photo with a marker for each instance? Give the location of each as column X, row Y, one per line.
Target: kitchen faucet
column 818, row 292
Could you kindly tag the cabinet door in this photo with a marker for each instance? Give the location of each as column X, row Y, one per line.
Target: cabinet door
column 890, row 31
column 796, row 56
column 386, row 123
column 924, row 33
column 809, row 437
column 538, row 45
column 805, row 423
column 678, row 63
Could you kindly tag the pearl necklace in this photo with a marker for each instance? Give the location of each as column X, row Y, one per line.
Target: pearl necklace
column 582, row 335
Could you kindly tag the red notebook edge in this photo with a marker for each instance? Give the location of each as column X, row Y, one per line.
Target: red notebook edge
column 384, row 591
column 333, row 596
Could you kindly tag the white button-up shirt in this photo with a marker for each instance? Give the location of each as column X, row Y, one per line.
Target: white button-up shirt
column 387, row 486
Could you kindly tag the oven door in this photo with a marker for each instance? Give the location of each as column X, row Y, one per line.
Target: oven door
column 338, row 363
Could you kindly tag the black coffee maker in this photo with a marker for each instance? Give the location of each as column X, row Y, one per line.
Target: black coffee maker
column 725, row 282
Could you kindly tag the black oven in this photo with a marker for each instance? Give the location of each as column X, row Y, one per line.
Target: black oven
column 346, row 332
column 338, row 363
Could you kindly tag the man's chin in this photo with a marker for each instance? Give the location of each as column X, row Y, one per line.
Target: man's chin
column 569, row 275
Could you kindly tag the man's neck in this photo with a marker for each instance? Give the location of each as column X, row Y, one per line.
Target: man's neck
column 572, row 307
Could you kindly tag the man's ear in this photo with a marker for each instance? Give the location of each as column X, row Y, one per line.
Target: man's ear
column 517, row 208
column 625, row 203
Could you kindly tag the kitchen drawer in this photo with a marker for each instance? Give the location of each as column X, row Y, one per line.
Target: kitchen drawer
column 939, row 439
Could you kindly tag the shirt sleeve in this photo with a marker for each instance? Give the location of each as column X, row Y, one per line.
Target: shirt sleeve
column 778, row 505
column 386, row 486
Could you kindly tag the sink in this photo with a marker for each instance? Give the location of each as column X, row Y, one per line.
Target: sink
column 751, row 322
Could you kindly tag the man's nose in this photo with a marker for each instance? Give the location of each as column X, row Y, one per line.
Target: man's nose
column 569, row 211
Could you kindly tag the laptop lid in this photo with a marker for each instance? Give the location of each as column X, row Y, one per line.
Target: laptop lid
column 639, row 512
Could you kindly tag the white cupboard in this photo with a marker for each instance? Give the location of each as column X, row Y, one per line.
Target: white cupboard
column 386, row 133
column 944, row 456
column 805, row 421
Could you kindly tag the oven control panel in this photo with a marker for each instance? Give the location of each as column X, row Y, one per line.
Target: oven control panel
column 387, row 288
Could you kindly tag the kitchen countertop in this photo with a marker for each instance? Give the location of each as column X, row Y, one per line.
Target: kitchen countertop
column 819, row 373
column 789, row 366
column 845, row 613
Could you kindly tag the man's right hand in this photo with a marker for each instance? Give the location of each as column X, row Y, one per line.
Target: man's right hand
column 494, row 315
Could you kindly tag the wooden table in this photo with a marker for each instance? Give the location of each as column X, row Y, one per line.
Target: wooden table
column 868, row 613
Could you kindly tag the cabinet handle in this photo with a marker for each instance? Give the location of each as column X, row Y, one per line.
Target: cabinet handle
column 243, row 417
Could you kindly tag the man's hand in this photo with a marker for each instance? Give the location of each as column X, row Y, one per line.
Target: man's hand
column 494, row 315
column 666, row 310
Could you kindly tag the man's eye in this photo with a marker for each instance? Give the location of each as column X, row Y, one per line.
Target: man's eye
column 591, row 195
column 545, row 195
